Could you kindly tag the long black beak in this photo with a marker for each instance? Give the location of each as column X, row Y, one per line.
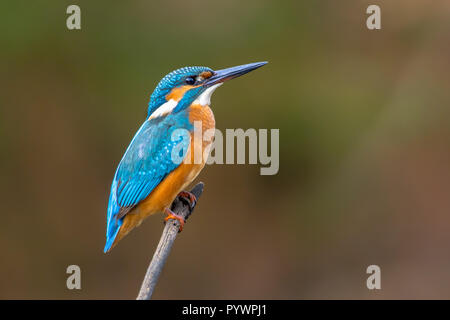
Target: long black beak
column 231, row 73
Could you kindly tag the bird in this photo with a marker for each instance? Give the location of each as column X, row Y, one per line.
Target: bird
column 153, row 170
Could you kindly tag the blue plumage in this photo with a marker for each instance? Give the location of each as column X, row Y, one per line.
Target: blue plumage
column 147, row 161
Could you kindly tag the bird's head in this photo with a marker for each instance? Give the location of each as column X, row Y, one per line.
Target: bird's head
column 180, row 88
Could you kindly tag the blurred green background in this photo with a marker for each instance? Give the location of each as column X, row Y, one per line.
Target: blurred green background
column 364, row 148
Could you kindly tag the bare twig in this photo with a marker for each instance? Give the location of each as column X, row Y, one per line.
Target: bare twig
column 184, row 208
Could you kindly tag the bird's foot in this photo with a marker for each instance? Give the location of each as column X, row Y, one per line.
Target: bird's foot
column 174, row 216
column 188, row 196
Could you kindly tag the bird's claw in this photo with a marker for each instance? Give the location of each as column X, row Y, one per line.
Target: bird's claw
column 189, row 196
column 173, row 216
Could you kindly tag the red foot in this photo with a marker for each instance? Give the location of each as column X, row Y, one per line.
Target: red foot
column 190, row 196
column 173, row 216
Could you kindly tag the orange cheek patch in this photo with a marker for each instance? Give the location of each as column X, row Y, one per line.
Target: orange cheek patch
column 206, row 74
column 178, row 93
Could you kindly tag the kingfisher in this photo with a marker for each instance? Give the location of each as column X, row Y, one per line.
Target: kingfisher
column 153, row 170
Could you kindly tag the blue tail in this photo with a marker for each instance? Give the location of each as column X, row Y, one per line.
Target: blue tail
column 113, row 224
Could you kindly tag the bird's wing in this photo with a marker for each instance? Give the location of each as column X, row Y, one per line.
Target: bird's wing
column 155, row 151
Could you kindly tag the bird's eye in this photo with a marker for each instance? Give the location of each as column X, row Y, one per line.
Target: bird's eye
column 190, row 80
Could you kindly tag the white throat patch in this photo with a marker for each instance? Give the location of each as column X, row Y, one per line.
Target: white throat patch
column 164, row 109
column 205, row 98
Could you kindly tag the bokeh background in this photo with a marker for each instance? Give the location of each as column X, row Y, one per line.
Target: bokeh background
column 364, row 148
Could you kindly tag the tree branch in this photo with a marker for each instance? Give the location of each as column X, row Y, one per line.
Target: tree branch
column 180, row 206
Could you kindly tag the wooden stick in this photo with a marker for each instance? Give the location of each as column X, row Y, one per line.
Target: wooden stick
column 181, row 207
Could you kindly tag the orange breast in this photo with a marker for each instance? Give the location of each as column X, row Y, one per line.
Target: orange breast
column 163, row 195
